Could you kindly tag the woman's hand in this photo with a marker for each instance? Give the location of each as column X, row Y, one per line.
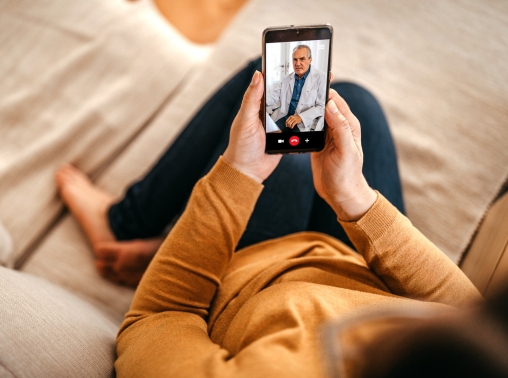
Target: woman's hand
column 246, row 148
column 337, row 169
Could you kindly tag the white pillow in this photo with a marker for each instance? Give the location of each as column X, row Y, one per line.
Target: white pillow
column 47, row 332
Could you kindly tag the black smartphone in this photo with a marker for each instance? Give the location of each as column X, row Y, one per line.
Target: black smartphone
column 296, row 70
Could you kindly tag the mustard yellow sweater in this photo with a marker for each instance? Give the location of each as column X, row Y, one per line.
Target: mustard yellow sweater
column 202, row 310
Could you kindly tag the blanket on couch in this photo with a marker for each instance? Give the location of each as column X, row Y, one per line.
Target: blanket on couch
column 113, row 95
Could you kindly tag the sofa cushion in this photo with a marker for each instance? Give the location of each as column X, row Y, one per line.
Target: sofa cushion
column 6, row 255
column 46, row 331
column 79, row 81
column 66, row 259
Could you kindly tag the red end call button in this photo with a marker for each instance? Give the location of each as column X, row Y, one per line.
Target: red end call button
column 294, row 140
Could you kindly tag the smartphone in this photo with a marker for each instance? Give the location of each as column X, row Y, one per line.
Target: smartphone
column 296, row 71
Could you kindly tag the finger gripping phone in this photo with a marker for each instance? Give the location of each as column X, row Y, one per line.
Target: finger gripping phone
column 296, row 71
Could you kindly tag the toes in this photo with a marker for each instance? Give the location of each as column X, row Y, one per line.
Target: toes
column 132, row 254
column 125, row 277
column 67, row 174
column 107, row 271
column 124, row 262
column 107, row 252
column 62, row 175
column 102, row 266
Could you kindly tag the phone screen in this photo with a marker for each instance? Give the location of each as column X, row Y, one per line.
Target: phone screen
column 296, row 69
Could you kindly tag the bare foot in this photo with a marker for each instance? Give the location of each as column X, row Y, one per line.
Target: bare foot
column 86, row 202
column 125, row 262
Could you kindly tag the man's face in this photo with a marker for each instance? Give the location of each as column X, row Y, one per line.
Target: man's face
column 301, row 61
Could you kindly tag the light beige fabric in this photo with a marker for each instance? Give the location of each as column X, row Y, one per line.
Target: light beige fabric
column 79, row 81
column 6, row 255
column 47, row 332
column 66, row 259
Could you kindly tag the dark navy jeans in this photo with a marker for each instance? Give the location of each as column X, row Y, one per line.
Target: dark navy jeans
column 288, row 203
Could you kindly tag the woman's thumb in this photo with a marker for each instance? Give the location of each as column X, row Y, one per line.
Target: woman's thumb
column 340, row 128
column 252, row 97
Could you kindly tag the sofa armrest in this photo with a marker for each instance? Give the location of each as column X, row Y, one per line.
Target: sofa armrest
column 486, row 262
column 46, row 331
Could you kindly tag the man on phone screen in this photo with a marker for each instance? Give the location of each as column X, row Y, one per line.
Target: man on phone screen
column 301, row 95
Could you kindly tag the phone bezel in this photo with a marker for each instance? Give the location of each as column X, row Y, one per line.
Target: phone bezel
column 291, row 34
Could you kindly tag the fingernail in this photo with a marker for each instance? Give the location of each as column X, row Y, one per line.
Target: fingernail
column 332, row 107
column 255, row 78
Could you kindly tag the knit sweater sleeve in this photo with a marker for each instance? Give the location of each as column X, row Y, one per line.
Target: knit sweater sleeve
column 409, row 263
column 165, row 333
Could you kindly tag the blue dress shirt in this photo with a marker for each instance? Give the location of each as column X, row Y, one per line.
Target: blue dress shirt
column 297, row 91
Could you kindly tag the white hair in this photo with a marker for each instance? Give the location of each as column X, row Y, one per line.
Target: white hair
column 309, row 52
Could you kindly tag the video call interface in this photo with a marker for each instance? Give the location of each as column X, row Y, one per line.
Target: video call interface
column 296, row 82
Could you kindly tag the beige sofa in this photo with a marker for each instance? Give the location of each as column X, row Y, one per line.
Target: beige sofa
column 101, row 84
